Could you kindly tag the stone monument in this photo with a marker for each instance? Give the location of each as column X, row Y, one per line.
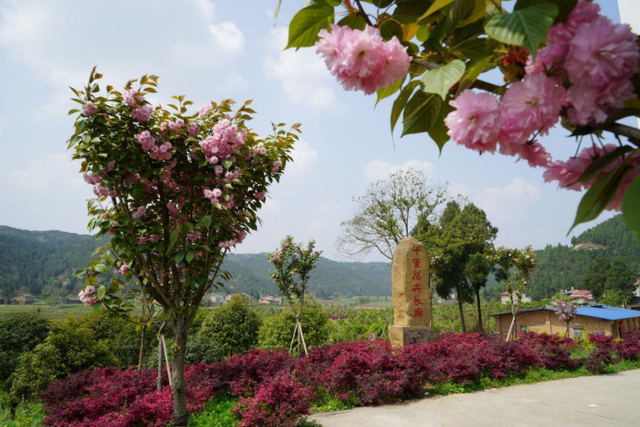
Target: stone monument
column 410, row 292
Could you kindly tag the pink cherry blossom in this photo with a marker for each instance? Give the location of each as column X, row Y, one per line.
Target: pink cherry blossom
column 276, row 166
column 531, row 105
column 142, row 114
column 193, row 129
column 89, row 109
column 601, row 52
column 591, row 105
column 140, row 212
column 132, row 97
column 476, row 122
column 362, row 60
column 260, row 195
column 204, row 110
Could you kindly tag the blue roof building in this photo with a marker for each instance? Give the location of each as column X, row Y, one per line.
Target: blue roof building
column 592, row 319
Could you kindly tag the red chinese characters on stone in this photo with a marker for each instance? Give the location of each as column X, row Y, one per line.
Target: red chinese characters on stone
column 417, row 300
column 418, row 313
column 416, row 262
column 417, row 287
column 416, row 275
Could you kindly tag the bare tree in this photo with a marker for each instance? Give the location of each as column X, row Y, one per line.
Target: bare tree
column 388, row 211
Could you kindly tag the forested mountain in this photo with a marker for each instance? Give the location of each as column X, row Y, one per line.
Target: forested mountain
column 561, row 267
column 42, row 263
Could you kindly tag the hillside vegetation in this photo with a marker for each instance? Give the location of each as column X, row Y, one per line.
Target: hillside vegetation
column 42, row 263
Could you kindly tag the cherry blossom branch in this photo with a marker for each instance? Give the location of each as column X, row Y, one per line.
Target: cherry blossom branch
column 364, row 14
column 633, row 134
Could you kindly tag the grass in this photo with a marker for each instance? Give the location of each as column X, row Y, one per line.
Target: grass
column 27, row 414
column 217, row 413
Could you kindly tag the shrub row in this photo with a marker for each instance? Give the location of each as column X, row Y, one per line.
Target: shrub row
column 275, row 389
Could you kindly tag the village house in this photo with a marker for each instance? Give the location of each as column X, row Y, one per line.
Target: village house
column 5, row 300
column 579, row 296
column 271, row 300
column 591, row 319
column 23, row 299
column 504, row 298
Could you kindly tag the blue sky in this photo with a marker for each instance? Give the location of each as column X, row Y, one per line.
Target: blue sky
column 210, row 50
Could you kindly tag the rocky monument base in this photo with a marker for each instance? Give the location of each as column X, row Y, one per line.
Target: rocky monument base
column 401, row 336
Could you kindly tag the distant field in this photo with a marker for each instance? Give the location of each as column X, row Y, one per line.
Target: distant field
column 52, row 312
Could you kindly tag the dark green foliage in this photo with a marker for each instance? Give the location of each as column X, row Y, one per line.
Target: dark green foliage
column 277, row 331
column 201, row 349
column 19, row 334
column 70, row 347
column 42, row 262
column 233, row 327
column 620, row 279
column 596, row 276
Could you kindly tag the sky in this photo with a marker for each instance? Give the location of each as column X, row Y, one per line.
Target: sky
column 216, row 49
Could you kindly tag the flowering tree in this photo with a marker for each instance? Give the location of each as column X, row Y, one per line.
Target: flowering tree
column 293, row 264
column 513, row 267
column 561, row 60
column 565, row 310
column 176, row 190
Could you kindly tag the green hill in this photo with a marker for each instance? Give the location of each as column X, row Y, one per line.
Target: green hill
column 561, row 267
column 42, row 263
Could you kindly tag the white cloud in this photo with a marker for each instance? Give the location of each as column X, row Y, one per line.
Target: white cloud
column 304, row 156
column 380, row 170
column 507, row 203
column 329, row 208
column 236, row 82
column 228, row 36
column 45, row 174
column 460, row 189
column 303, row 75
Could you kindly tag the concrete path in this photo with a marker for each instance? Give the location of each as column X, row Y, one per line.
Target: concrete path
column 604, row 400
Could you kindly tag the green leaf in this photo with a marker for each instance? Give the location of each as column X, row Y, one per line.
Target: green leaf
column 385, row 92
column 179, row 257
column 474, row 70
column 390, row 28
column 421, row 113
column 410, row 11
column 598, row 197
column 305, row 25
column 442, row 79
column 102, row 291
column 354, row 21
column 401, row 102
column 436, row 6
column 631, row 206
column 438, row 131
column 205, row 221
column 526, row 27
column 475, row 13
column 227, row 164
column 173, row 238
column 101, row 268
column 190, row 256
column 564, row 7
column 602, row 162
column 381, row 4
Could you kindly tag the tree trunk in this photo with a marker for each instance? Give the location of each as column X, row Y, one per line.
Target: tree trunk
column 141, row 355
column 479, row 310
column 464, row 327
column 180, row 414
column 160, row 367
column 299, row 337
column 513, row 322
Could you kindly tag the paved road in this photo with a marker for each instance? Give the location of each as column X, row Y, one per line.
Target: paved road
column 605, row 400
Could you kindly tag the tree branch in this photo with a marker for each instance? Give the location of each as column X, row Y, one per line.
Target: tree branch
column 364, row 14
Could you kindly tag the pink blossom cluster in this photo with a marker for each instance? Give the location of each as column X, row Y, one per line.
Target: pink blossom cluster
column 123, row 269
column 239, row 238
column 140, row 212
column 362, row 60
column 88, row 296
column 204, row 110
column 223, row 142
column 148, row 143
column 132, row 97
column 151, row 238
column 597, row 56
column 142, row 114
column 213, row 195
column 565, row 310
column 89, row 109
column 277, row 165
